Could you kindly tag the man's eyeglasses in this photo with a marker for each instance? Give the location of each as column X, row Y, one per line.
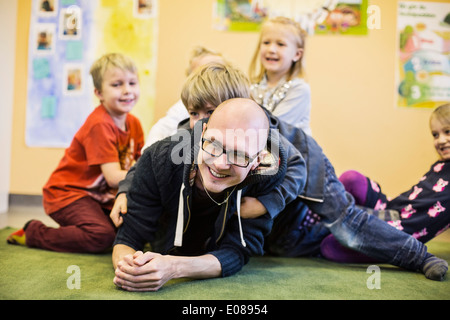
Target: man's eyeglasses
column 234, row 157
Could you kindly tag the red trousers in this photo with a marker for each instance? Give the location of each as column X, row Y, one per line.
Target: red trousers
column 84, row 227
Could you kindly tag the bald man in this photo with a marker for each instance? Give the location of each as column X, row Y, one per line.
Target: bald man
column 187, row 211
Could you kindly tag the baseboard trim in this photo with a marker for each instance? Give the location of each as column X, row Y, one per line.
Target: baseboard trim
column 25, row 200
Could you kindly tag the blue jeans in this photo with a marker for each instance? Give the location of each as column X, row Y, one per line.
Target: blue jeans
column 352, row 226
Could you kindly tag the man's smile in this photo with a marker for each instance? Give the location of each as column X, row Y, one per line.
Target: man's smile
column 216, row 174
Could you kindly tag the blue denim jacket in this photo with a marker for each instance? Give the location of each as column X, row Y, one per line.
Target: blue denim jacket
column 352, row 226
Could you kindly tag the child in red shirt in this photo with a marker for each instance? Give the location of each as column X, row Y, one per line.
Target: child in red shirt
column 80, row 192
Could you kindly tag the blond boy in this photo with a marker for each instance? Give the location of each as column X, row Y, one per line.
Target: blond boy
column 80, row 192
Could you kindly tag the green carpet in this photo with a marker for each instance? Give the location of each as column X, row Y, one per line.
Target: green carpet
column 29, row 274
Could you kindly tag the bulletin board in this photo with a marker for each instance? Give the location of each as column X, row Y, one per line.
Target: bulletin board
column 66, row 37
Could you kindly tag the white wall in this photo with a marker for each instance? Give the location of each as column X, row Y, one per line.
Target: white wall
column 8, row 18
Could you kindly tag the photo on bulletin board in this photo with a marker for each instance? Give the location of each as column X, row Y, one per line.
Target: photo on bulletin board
column 47, row 8
column 70, row 23
column 423, row 54
column 44, row 38
column 144, row 9
column 73, row 79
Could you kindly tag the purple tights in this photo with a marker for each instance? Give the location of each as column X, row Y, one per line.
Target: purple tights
column 356, row 184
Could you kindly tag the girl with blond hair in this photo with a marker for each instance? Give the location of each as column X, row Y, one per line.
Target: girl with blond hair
column 276, row 72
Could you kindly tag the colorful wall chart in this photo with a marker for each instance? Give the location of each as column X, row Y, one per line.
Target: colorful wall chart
column 66, row 36
column 423, row 73
column 315, row 16
column 348, row 17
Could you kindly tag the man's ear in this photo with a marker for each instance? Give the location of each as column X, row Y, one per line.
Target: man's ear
column 255, row 165
column 259, row 159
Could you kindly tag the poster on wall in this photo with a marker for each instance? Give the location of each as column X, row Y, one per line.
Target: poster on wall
column 66, row 37
column 423, row 54
column 348, row 17
column 315, row 16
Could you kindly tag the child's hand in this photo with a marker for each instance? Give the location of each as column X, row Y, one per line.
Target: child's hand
column 120, row 207
column 251, row 208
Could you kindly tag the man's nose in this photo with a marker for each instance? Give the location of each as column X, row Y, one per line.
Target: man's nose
column 221, row 162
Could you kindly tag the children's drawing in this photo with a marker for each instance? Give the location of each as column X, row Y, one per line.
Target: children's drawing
column 145, row 9
column 73, row 79
column 47, row 8
column 315, row 16
column 70, row 23
column 44, row 36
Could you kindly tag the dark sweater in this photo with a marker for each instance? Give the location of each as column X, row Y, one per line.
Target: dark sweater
column 154, row 194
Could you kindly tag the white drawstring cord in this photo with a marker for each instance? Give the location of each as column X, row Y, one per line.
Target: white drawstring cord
column 238, row 202
column 178, row 242
column 180, row 220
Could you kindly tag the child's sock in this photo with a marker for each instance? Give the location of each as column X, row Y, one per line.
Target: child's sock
column 434, row 268
column 17, row 237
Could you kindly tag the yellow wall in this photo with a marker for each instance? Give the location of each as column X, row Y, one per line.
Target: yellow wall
column 352, row 78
